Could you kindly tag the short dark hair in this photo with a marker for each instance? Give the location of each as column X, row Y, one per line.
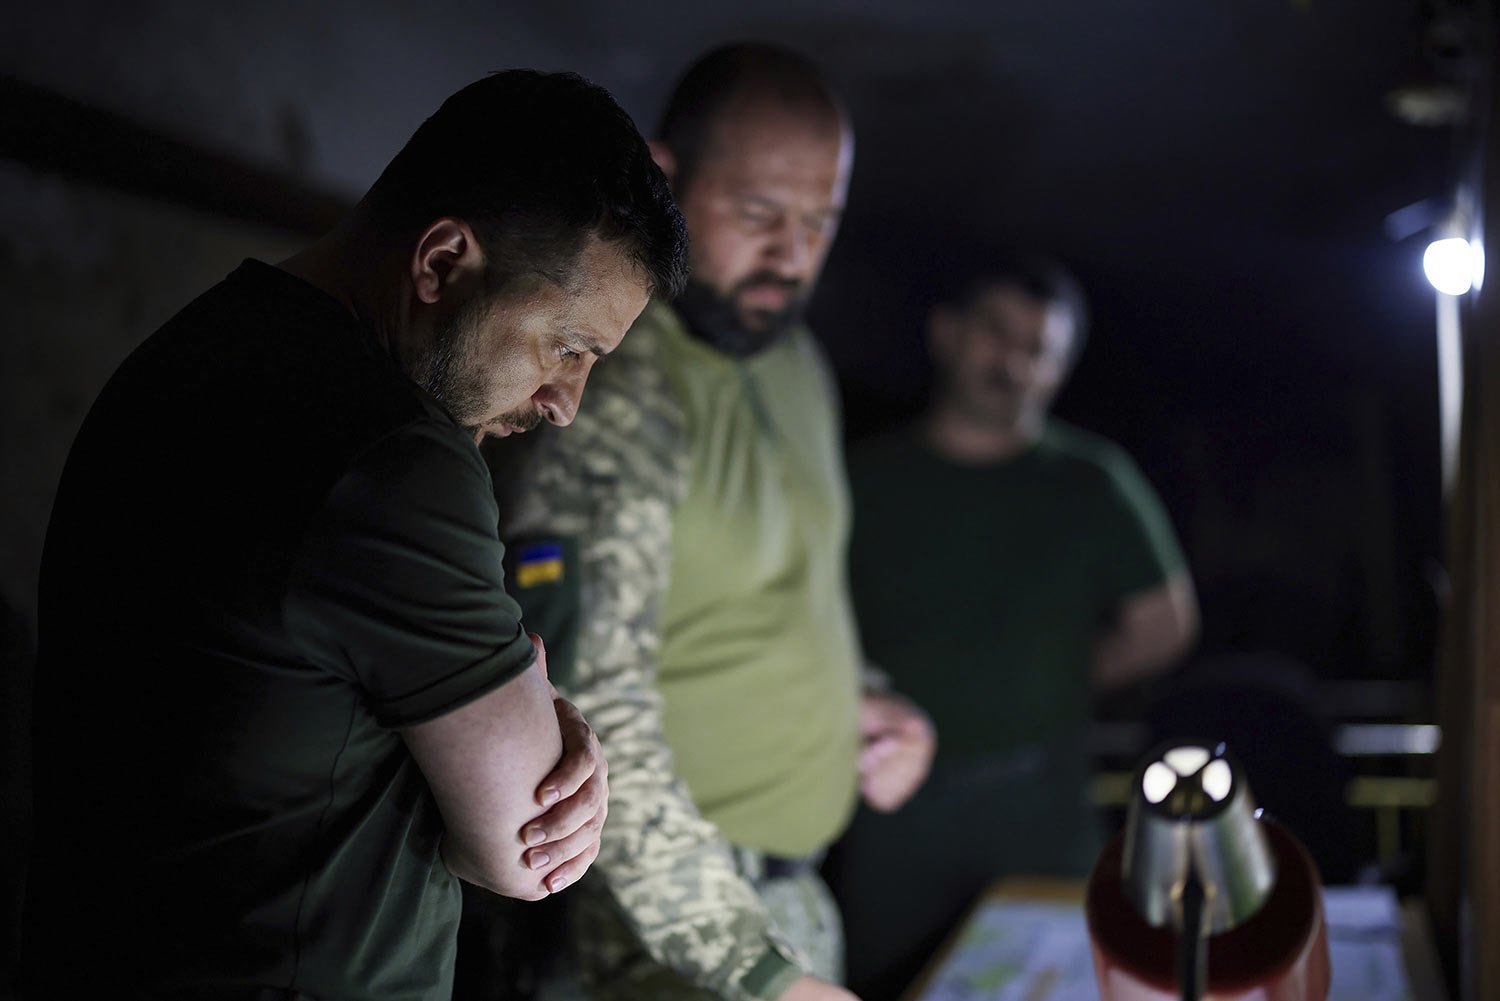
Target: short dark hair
column 746, row 69
column 536, row 163
column 1037, row 275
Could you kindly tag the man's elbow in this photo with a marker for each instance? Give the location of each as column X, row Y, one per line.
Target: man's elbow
column 1188, row 621
column 494, row 870
column 1188, row 639
column 484, row 762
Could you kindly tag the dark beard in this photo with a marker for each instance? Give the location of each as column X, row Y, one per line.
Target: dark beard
column 443, row 371
column 714, row 318
column 519, row 420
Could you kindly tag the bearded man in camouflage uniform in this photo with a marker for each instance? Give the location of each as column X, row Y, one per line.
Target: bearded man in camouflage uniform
column 682, row 551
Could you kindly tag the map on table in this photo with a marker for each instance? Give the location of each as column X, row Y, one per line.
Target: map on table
column 1038, row 950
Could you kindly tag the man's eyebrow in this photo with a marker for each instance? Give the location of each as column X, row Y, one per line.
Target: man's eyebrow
column 586, row 342
column 760, row 201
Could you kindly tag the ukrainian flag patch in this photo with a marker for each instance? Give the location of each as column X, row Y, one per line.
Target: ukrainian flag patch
column 539, row 563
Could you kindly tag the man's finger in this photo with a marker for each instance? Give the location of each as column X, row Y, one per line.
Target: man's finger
column 571, row 871
column 875, row 715
column 891, row 786
column 549, row 856
column 581, row 756
column 919, row 729
column 570, row 815
column 876, row 751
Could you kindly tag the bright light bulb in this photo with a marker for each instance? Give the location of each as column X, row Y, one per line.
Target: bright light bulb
column 1217, row 779
column 1186, row 760
column 1158, row 782
column 1450, row 265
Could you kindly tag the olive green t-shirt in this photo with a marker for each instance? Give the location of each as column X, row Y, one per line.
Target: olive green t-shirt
column 982, row 590
column 269, row 551
column 759, row 661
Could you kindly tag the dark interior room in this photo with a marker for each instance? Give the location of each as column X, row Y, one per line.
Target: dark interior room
column 1253, row 200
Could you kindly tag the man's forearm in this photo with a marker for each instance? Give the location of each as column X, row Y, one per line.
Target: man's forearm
column 1153, row 630
column 484, row 761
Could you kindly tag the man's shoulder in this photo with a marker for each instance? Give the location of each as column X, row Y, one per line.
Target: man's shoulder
column 815, row 356
column 261, row 369
column 279, row 354
column 802, row 339
column 1097, row 466
column 1062, row 442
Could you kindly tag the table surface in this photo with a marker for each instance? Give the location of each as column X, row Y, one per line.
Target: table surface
column 1061, row 901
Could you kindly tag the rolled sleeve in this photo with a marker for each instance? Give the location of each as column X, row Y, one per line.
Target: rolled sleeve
column 399, row 586
column 1143, row 549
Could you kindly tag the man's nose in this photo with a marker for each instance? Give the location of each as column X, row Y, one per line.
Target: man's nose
column 791, row 250
column 558, row 399
column 1020, row 364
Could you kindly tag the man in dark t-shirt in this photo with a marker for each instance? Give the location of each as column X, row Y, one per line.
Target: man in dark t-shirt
column 1043, row 569
column 282, row 697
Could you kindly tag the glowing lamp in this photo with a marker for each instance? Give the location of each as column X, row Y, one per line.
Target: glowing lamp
column 1453, row 265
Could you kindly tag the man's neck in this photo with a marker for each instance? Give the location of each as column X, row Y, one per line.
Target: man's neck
column 959, row 438
column 342, row 266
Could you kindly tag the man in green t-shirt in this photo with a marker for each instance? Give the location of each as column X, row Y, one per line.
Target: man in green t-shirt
column 1042, row 569
column 697, row 513
column 283, row 702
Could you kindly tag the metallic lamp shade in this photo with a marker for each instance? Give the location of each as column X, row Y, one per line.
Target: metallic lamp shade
column 1191, row 812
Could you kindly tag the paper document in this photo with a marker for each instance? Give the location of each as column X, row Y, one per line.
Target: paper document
column 1036, row 950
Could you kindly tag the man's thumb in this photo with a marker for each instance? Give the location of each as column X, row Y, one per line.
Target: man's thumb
column 541, row 652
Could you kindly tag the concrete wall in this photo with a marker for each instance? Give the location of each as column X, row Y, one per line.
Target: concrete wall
column 327, row 91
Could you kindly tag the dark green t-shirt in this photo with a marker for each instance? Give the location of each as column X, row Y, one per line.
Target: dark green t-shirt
column 983, row 589
column 268, row 550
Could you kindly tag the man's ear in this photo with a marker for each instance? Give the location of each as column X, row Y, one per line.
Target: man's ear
column 665, row 159
column 446, row 255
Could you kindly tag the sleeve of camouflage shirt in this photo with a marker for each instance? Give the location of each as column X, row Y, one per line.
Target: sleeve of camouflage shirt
column 601, row 492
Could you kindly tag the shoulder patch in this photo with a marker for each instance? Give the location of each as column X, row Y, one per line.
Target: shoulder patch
column 542, row 574
column 539, row 563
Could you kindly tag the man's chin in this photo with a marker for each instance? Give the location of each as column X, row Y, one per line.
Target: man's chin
column 992, row 410
column 761, row 328
column 759, row 325
column 729, row 325
column 768, row 323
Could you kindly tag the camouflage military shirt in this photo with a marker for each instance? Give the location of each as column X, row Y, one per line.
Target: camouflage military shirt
column 587, row 513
